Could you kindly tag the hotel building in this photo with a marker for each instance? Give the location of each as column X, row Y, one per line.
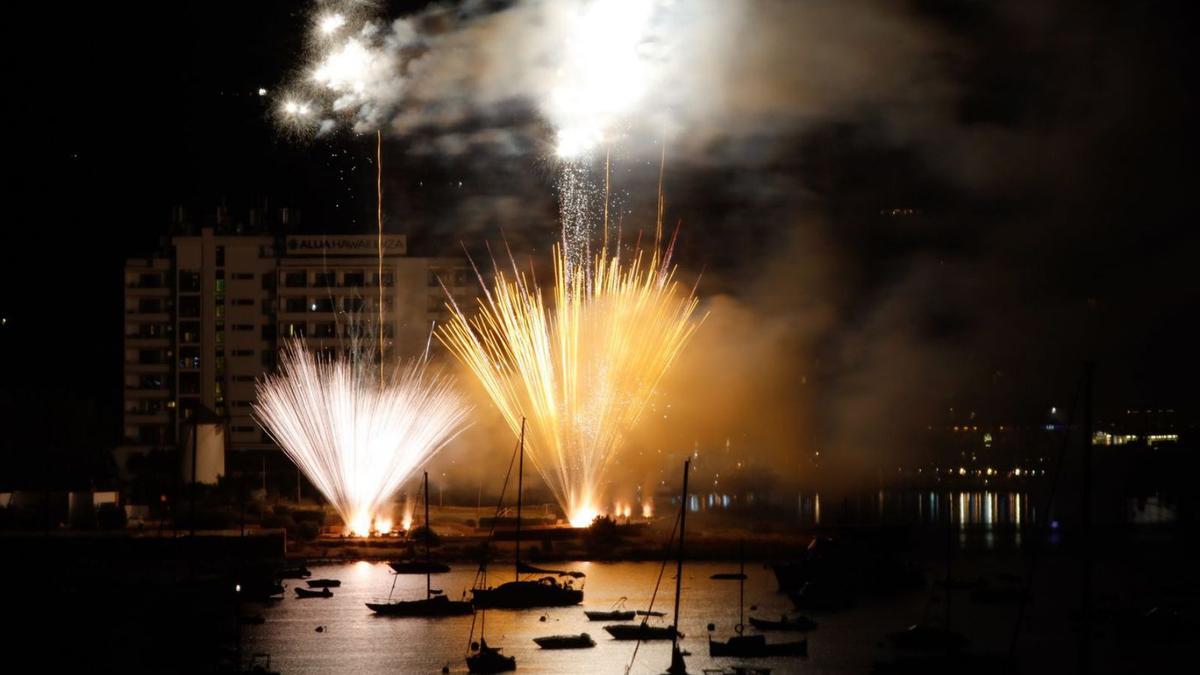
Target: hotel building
column 206, row 317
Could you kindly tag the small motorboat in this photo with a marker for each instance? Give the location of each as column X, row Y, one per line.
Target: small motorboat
column 615, row 613
column 323, row 583
column 581, row 641
column 490, row 660
column 642, row 612
column 800, row 623
column 755, row 645
column 307, row 593
column 298, row 572
column 927, row 638
column 641, row 632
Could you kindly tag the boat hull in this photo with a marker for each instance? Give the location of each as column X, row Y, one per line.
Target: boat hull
column 418, row 567
column 609, row 616
column 526, row 594
column 433, row 607
column 799, row 624
column 565, row 642
column 640, row 632
column 755, row 646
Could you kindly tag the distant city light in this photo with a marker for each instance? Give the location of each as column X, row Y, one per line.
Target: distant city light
column 262, row 91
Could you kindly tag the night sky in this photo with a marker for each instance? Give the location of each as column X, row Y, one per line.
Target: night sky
column 1051, row 189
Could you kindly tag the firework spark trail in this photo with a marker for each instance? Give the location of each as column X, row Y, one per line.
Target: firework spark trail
column 355, row 439
column 581, row 371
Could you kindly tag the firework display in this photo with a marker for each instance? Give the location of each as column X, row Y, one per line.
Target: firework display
column 580, row 368
column 356, row 436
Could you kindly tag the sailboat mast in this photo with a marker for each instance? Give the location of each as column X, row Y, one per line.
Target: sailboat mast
column 520, row 485
column 741, row 586
column 687, row 464
column 428, row 592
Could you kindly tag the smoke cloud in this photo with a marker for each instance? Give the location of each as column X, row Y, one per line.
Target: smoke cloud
column 892, row 209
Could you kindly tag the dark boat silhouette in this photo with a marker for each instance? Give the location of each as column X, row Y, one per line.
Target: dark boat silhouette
column 323, row 583
column 581, row 641
column 434, row 604
column 298, row 572
column 615, row 613
column 418, row 567
column 307, row 593
column 430, row 606
column 490, row 660
column 642, row 612
column 519, row 594
column 800, row 623
column 750, row 645
column 642, row 632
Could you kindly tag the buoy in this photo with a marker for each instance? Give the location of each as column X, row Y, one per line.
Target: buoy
column 542, row 618
column 711, row 627
column 320, row 629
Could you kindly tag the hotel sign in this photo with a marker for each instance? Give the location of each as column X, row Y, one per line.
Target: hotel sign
column 345, row 245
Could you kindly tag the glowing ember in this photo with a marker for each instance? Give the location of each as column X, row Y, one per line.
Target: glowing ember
column 583, row 516
column 357, row 436
column 581, row 371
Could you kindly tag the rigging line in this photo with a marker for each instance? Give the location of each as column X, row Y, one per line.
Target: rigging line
column 1033, row 555
column 379, row 242
column 657, row 584
column 486, row 542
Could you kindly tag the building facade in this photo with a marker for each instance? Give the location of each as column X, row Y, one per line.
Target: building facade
column 206, row 318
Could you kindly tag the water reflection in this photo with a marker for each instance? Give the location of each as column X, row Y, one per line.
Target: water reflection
column 966, row 509
column 353, row 639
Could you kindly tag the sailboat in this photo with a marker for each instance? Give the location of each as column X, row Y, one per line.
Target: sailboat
column 434, row 603
column 488, row 659
column 517, row 594
column 751, row 645
column 678, row 667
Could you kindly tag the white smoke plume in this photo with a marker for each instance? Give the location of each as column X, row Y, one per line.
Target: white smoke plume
column 699, row 75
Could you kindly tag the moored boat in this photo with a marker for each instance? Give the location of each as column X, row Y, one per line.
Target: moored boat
column 755, row 645
column 581, row 641
column 434, row 604
column 490, row 660
column 418, row 567
column 613, row 615
column 307, row 593
column 800, row 623
column 641, row 632
column 323, row 583
column 297, row 572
